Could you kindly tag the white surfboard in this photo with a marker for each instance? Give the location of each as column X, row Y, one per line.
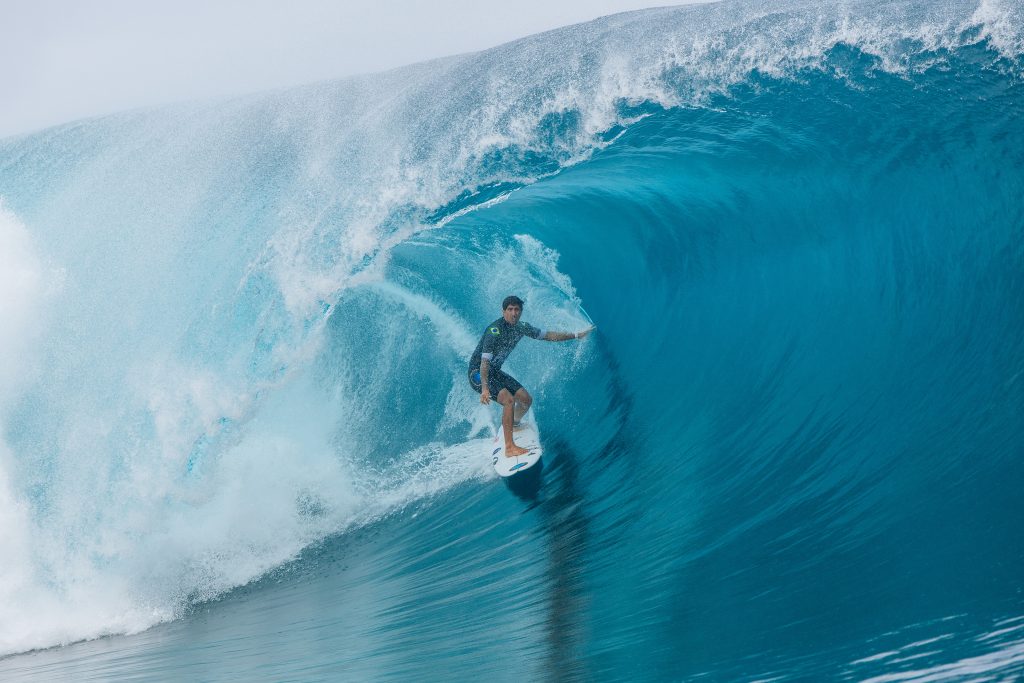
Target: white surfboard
column 526, row 437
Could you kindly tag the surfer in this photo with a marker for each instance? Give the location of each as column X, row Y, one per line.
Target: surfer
column 486, row 376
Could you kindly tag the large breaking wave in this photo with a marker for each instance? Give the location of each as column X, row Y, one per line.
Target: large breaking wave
column 234, row 329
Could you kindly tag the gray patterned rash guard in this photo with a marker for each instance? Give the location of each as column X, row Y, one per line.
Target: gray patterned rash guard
column 498, row 341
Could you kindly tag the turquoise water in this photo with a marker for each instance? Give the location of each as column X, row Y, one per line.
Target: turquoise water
column 234, row 405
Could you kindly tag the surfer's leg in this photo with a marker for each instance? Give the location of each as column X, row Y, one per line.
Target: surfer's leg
column 523, row 403
column 507, row 402
column 521, row 397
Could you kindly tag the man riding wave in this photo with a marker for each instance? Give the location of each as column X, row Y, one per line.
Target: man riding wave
column 486, row 376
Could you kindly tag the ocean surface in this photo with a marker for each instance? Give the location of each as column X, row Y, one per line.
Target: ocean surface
column 236, row 437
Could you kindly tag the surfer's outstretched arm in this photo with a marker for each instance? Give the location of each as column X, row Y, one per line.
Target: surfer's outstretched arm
column 551, row 335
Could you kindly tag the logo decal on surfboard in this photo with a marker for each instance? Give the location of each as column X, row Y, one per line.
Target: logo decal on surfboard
column 527, row 436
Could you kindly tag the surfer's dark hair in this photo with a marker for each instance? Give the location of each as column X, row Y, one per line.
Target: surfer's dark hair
column 511, row 301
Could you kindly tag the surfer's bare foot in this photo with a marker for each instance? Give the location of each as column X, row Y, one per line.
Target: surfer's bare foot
column 513, row 450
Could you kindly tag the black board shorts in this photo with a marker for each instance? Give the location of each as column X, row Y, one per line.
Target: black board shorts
column 496, row 381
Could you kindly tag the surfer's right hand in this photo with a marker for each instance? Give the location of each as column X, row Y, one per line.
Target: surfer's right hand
column 485, row 397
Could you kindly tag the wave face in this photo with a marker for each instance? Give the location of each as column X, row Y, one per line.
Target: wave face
column 234, row 339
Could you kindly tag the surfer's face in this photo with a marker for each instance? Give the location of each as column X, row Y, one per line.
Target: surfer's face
column 512, row 314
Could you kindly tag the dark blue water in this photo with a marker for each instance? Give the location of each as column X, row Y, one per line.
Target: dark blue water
column 235, row 418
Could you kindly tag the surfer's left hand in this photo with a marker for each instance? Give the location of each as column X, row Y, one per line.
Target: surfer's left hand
column 584, row 333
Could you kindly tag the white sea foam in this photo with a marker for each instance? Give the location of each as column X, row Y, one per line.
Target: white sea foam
column 24, row 283
column 1000, row 23
column 1003, row 660
column 27, row 287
